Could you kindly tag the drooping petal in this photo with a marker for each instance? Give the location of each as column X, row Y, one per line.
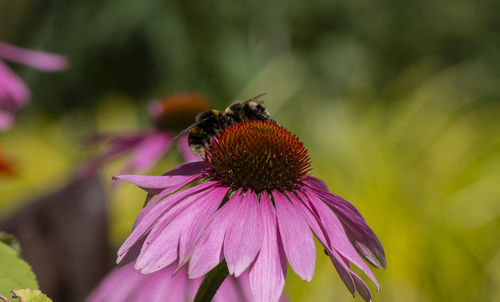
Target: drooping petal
column 189, row 168
column 161, row 246
column 267, row 278
column 316, row 182
column 361, row 235
column 149, row 151
column 341, row 267
column 201, row 213
column 207, row 250
column 155, row 184
column 335, row 232
column 154, row 210
column 296, row 236
column 118, row 145
column 131, row 254
column 362, row 288
column 36, row 59
column 244, row 235
column 343, row 270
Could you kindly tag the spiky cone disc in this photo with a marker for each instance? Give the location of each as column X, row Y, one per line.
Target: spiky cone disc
column 258, row 155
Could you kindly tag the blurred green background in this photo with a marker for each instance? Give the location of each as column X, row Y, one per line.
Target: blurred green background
column 397, row 102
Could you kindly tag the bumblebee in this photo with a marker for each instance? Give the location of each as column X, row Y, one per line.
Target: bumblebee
column 209, row 123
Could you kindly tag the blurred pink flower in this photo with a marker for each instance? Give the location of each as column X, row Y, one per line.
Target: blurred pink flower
column 255, row 208
column 14, row 94
column 170, row 115
column 128, row 285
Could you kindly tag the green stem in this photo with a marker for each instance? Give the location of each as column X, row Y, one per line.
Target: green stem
column 211, row 283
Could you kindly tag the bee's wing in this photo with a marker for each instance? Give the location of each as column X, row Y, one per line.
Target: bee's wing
column 256, row 99
column 190, row 127
column 183, row 132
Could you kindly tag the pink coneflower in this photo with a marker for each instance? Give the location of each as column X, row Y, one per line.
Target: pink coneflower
column 169, row 116
column 166, row 285
column 255, row 208
column 14, row 94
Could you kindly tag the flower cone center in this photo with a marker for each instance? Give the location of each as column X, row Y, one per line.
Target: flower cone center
column 258, row 155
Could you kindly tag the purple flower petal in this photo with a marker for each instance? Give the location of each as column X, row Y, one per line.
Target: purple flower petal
column 124, row 278
column 228, row 292
column 132, row 253
column 36, row 59
column 14, row 94
column 342, row 269
column 160, row 248
column 161, row 245
column 207, row 250
column 155, row 184
column 296, row 236
column 316, row 182
column 149, row 151
column 190, row 168
column 361, row 235
column 266, row 276
column 335, row 232
column 244, row 235
column 362, row 288
column 201, row 213
column 154, row 210
column 185, row 151
column 118, row 146
column 6, row 120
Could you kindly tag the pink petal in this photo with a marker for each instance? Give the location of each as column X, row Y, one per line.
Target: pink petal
column 107, row 290
column 361, row 235
column 164, row 193
column 118, row 146
column 337, row 236
column 132, row 253
column 341, row 267
column 160, row 248
column 155, row 184
column 14, row 94
column 154, row 210
column 244, row 235
column 161, row 245
column 36, row 59
column 244, row 283
column 228, row 291
column 207, row 251
column 201, row 213
column 266, row 276
column 185, row 151
column 316, row 182
column 297, row 239
column 190, row 168
column 343, row 270
column 149, row 151
column 6, row 120
column 361, row 287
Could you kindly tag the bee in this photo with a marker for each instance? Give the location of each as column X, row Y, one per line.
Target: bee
column 209, row 123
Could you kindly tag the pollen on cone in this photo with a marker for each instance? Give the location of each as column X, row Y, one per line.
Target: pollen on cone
column 258, row 155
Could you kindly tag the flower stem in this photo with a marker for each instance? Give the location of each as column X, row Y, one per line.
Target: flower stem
column 211, row 283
